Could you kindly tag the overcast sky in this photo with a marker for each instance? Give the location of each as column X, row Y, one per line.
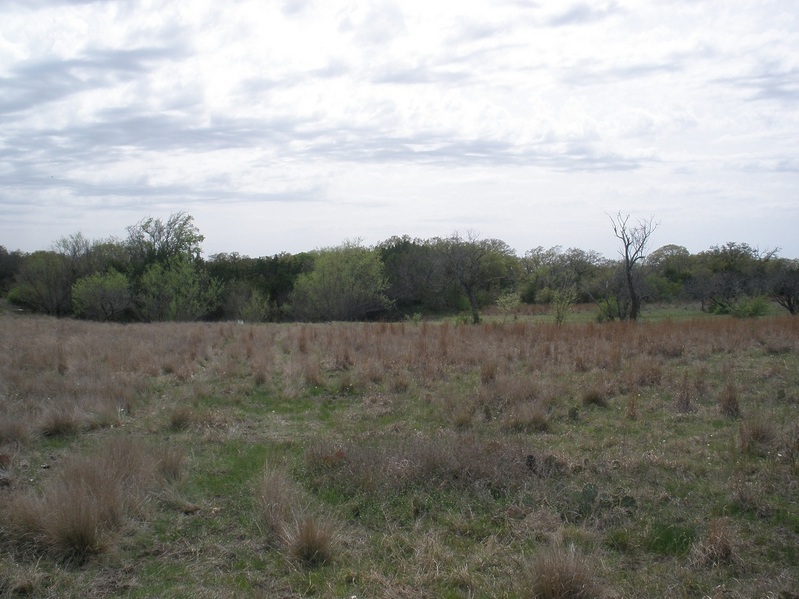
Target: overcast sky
column 296, row 124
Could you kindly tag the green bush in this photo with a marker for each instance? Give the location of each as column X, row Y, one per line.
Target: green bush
column 750, row 307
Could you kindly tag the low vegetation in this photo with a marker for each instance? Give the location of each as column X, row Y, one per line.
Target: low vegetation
column 514, row 458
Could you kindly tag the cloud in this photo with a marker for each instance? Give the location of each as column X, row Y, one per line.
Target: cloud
column 39, row 82
column 376, row 110
column 581, row 14
column 770, row 82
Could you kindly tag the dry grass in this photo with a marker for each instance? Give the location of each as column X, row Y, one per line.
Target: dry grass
column 756, row 434
column 285, row 511
column 88, row 500
column 449, row 451
column 563, row 574
column 683, row 400
column 311, row 540
column 728, row 400
column 718, row 546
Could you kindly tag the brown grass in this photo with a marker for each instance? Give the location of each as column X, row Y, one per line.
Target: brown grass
column 285, row 511
column 311, row 540
column 563, row 574
column 84, row 504
column 717, row 547
column 683, row 400
column 728, row 400
column 528, row 417
column 428, row 440
column 755, row 435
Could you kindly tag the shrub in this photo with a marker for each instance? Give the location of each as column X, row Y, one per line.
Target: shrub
column 750, row 307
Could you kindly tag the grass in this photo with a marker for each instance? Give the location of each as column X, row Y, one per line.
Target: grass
column 393, row 460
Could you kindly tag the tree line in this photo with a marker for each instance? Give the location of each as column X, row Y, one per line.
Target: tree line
column 157, row 273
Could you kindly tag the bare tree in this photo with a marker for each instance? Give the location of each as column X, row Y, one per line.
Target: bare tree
column 634, row 239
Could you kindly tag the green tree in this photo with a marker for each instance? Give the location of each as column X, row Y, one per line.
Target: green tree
column 669, row 271
column 272, row 278
column 244, row 301
column 177, row 290
column 562, row 304
column 152, row 240
column 10, row 264
column 726, row 274
column 783, row 284
column 44, row 283
column 347, row 283
column 102, row 296
column 476, row 266
column 416, row 280
column 553, row 271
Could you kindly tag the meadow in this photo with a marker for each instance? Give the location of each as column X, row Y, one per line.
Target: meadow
column 515, row 458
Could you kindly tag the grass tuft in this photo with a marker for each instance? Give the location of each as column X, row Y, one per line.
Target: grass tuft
column 717, row 547
column 310, row 540
column 728, row 400
column 563, row 574
column 755, row 434
column 594, row 396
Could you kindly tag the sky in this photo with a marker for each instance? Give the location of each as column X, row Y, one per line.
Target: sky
column 285, row 126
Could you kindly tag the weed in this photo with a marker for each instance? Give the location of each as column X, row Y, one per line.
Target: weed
column 290, row 523
column 171, row 463
column 632, row 405
column 12, row 431
column 181, row 418
column 84, row 503
column 488, row 372
column 277, row 498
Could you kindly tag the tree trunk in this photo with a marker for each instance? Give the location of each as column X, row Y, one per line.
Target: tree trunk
column 472, row 296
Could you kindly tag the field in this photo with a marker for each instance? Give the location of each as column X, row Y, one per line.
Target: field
column 429, row 459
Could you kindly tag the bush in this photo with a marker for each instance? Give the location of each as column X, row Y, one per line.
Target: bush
column 750, row 307
column 102, row 296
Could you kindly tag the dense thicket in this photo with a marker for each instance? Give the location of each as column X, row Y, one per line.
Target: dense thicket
column 158, row 273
